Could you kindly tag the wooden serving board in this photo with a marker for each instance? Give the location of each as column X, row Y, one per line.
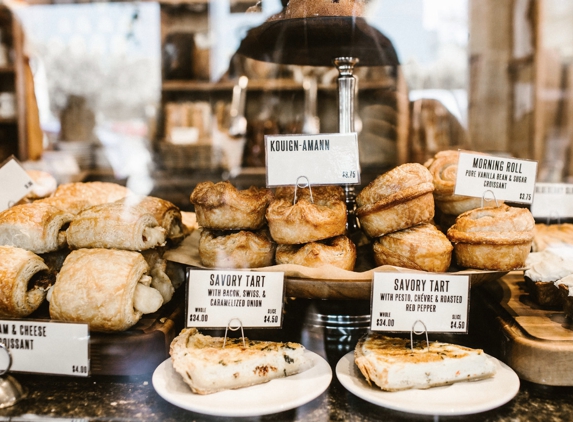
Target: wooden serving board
column 536, row 342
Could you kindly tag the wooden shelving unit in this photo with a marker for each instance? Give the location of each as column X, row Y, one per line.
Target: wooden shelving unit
column 13, row 133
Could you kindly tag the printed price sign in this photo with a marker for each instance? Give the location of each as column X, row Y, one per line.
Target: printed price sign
column 509, row 179
column 15, row 182
column 214, row 298
column 553, row 200
column 440, row 301
column 325, row 159
column 46, row 347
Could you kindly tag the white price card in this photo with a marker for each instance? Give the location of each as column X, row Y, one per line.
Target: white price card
column 15, row 183
column 509, row 179
column 217, row 297
column 553, row 200
column 324, row 159
column 440, row 301
column 46, row 347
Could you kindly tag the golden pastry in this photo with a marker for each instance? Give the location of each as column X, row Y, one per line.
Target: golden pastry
column 306, row 221
column 492, row 238
column 115, row 225
column 75, row 197
column 422, row 247
column 36, row 226
column 24, row 281
column 338, row 251
column 242, row 249
column 167, row 214
column 325, row 192
column 444, row 168
column 220, row 206
column 106, row 288
column 313, row 8
column 396, row 200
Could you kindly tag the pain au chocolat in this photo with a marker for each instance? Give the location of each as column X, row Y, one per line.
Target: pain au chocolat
column 220, row 206
column 24, row 281
column 492, row 238
column 396, row 200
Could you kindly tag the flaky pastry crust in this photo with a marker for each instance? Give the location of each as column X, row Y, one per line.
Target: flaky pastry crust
column 444, row 168
column 338, row 251
column 306, row 221
column 97, row 286
column 422, row 247
column 242, row 249
column 395, row 200
column 493, row 238
column 36, row 226
column 115, row 225
column 220, row 206
column 24, row 280
column 307, row 9
column 75, row 197
column 167, row 214
column 326, row 192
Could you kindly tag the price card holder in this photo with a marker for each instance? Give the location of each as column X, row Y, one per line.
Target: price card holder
column 215, row 297
column 325, row 159
column 508, row 179
column 553, row 200
column 15, row 183
column 46, row 347
column 440, row 301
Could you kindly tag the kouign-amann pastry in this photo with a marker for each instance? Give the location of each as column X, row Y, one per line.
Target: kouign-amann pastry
column 167, row 214
column 325, row 192
column 306, row 221
column 241, row 249
column 207, row 367
column 220, row 206
column 115, row 225
column 36, row 226
column 106, row 288
column 492, row 238
column 338, row 251
column 444, row 168
column 75, row 197
column 313, row 8
column 391, row 363
column 422, row 247
column 396, row 200
column 24, row 281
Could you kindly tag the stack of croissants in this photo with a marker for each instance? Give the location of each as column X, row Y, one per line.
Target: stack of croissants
column 95, row 250
column 410, row 215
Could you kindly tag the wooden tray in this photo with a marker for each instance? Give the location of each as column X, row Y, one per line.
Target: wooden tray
column 306, row 288
column 138, row 350
column 537, row 343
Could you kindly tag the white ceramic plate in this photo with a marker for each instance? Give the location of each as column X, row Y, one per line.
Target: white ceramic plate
column 462, row 398
column 275, row 396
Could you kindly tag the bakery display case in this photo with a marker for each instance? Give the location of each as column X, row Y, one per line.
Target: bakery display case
column 411, row 242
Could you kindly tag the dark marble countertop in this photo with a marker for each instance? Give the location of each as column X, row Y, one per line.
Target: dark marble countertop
column 114, row 398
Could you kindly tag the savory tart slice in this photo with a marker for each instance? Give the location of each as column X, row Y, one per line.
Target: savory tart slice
column 207, row 367
column 393, row 365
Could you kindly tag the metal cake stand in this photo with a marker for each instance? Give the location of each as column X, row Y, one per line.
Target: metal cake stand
column 344, row 42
